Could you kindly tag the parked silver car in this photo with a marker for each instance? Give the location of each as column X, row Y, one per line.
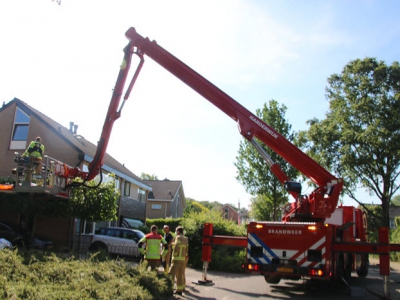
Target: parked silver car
column 117, row 240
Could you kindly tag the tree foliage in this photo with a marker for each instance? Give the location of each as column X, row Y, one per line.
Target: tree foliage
column 145, row 176
column 228, row 259
column 359, row 138
column 261, row 208
column 93, row 203
column 193, row 206
column 214, row 205
column 396, row 200
column 252, row 169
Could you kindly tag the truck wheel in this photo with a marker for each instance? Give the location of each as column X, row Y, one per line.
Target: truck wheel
column 272, row 279
column 363, row 271
column 339, row 274
column 349, row 268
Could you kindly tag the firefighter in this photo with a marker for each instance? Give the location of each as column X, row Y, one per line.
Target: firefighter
column 179, row 260
column 168, row 238
column 35, row 152
column 152, row 251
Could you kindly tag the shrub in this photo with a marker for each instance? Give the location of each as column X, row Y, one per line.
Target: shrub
column 223, row 258
column 51, row 277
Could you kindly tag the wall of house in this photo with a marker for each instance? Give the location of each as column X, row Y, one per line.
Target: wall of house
column 229, row 213
column 56, row 229
column 152, row 213
column 131, row 208
column 55, row 146
column 177, row 205
column 6, row 126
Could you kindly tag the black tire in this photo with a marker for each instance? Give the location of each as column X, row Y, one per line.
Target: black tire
column 339, row 269
column 20, row 244
column 349, row 268
column 363, row 271
column 98, row 247
column 272, row 279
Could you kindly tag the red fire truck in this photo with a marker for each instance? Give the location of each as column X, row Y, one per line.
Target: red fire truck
column 315, row 239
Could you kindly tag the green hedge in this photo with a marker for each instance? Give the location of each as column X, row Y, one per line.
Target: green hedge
column 172, row 223
column 228, row 259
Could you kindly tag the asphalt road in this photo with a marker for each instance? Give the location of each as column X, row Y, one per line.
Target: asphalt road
column 226, row 286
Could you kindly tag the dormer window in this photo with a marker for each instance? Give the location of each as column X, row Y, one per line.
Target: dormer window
column 20, row 130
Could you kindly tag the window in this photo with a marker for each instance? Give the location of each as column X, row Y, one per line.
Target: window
column 392, row 224
column 102, row 224
column 141, row 195
column 114, row 233
column 20, row 130
column 127, row 188
column 130, row 235
column 90, row 227
column 156, row 206
column 87, row 227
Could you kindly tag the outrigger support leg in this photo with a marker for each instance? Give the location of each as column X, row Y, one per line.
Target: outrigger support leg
column 204, row 280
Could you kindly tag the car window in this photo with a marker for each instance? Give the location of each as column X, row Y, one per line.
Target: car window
column 139, row 234
column 115, row 233
column 130, row 235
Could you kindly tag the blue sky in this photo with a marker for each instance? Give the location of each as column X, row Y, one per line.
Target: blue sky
column 64, row 59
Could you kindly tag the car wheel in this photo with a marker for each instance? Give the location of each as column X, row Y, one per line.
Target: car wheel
column 98, row 247
column 19, row 244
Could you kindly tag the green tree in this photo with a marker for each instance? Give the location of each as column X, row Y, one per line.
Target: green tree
column 262, row 208
column 396, row 200
column 252, row 170
column 215, row 205
column 145, row 176
column 359, row 138
column 94, row 203
column 193, row 206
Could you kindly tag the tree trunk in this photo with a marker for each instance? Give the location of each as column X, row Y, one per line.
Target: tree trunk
column 385, row 211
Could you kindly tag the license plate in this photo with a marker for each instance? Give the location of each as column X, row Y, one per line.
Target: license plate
column 285, row 270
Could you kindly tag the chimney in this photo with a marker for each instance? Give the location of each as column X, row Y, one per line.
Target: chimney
column 71, row 124
column 75, row 129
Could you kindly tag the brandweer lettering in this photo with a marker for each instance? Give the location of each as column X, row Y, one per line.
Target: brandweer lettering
column 269, row 131
column 285, row 231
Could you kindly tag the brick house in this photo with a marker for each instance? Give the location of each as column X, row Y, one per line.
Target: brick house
column 166, row 199
column 20, row 124
column 229, row 213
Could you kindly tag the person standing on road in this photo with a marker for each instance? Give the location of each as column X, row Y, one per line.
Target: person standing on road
column 179, row 259
column 152, row 251
column 168, row 238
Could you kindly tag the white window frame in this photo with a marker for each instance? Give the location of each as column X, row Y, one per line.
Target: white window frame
column 141, row 195
column 19, row 145
column 127, row 188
